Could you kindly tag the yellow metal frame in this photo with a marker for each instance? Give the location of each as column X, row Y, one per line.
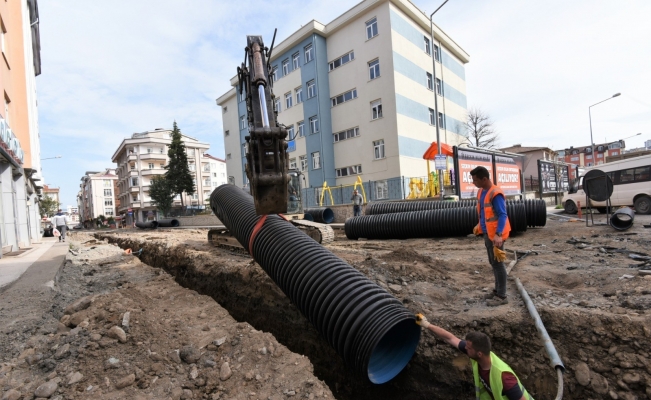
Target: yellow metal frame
column 325, row 188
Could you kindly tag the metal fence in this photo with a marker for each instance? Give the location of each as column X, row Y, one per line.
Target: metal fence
column 531, row 184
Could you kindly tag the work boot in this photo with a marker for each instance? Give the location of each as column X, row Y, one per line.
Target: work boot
column 497, row 301
column 489, row 295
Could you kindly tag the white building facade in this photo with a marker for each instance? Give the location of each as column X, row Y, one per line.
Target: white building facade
column 97, row 196
column 358, row 95
column 218, row 172
column 141, row 158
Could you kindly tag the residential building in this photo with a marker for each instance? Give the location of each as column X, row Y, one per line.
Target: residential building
column 97, row 196
column 73, row 215
column 142, row 157
column 218, row 172
column 357, row 96
column 52, row 192
column 647, row 144
column 20, row 167
column 583, row 157
column 531, row 156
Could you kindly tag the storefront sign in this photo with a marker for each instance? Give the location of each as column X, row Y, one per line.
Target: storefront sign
column 507, row 175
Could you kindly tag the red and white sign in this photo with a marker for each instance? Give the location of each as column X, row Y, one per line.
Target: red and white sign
column 469, row 160
column 507, row 175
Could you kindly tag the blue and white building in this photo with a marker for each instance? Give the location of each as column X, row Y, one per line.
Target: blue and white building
column 358, row 94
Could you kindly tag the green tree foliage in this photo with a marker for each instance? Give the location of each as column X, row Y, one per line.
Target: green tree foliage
column 178, row 173
column 162, row 194
column 49, row 206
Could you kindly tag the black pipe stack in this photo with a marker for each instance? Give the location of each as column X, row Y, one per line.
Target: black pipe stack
column 369, row 328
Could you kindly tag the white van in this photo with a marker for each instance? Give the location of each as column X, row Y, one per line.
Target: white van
column 631, row 186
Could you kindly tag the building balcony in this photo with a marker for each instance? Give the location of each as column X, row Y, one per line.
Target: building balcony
column 133, row 172
column 152, row 172
column 205, row 173
column 132, row 157
column 134, row 189
column 153, row 156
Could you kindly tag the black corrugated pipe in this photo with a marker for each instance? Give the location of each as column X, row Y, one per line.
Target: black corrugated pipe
column 166, row 223
column 308, row 217
column 622, row 219
column 324, row 215
column 424, row 224
column 147, row 225
column 369, row 328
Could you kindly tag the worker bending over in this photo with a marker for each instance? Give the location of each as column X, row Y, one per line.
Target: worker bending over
column 494, row 226
column 494, row 379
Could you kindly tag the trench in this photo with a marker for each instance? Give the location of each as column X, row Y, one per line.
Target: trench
column 437, row 371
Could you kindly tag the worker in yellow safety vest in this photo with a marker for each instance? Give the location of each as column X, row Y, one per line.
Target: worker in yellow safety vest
column 494, row 227
column 494, row 379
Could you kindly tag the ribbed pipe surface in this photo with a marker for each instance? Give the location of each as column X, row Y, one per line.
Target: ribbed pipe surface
column 369, row 328
column 535, row 210
column 458, row 221
column 622, row 219
column 324, row 215
column 147, row 225
column 166, row 223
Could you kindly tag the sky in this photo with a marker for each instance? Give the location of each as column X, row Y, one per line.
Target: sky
column 114, row 68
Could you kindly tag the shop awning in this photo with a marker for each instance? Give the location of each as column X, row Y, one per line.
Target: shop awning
column 433, row 150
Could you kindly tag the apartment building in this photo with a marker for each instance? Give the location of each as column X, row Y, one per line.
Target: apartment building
column 357, row 96
column 97, row 196
column 142, row 157
column 73, row 215
column 583, row 157
column 52, row 192
column 20, row 167
column 218, row 172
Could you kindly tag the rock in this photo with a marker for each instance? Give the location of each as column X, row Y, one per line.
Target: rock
column 219, row 341
column 76, row 319
column 125, row 320
column 78, row 305
column 187, row 394
column 11, row 394
column 62, row 352
column 225, row 372
column 190, row 354
column 61, row 328
column 174, row 356
column 194, row 373
column 395, row 288
column 177, row 392
column 46, row 390
column 203, row 315
column 117, row 333
column 613, row 395
column 598, row 383
column 95, row 337
column 125, row 381
column 631, row 378
column 31, row 360
column 582, row 373
column 76, row 377
column 263, row 351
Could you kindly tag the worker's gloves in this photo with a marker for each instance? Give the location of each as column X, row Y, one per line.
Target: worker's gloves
column 500, row 255
column 422, row 321
column 477, row 230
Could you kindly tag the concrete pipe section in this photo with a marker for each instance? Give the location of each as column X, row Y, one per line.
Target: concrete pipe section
column 370, row 329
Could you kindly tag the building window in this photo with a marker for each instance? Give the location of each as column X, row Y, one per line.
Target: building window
column 374, row 69
column 429, row 80
column 150, row 150
column 439, row 87
column 295, row 63
column 432, row 121
column 378, row 149
column 354, row 170
column 290, row 132
column 314, row 124
column 303, row 161
column 108, row 183
column 227, row 133
column 108, row 212
column 285, row 67
column 381, row 189
column 108, row 192
column 376, row 109
column 344, row 97
column 299, row 95
column 371, row 29
column 441, row 121
column 292, row 163
column 277, row 104
column 308, row 53
column 151, row 165
column 427, row 48
column 133, row 167
column 242, row 122
column 274, row 74
column 437, row 53
column 161, row 165
column 134, row 181
column 288, row 100
column 228, row 156
column 311, row 89
column 301, row 128
column 316, row 160
column 108, row 202
column 345, row 59
column 347, row 134
column 192, row 167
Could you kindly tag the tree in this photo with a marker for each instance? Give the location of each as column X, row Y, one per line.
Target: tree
column 480, row 129
column 49, row 206
column 162, row 195
column 178, row 173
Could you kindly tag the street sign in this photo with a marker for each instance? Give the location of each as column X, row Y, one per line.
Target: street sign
column 440, row 161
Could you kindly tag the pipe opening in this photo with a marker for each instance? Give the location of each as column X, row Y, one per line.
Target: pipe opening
column 394, row 351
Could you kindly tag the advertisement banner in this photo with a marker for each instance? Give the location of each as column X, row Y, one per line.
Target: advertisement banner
column 466, row 162
column 507, row 175
column 553, row 177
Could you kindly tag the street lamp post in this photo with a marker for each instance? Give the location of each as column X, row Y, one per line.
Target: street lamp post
column 436, row 103
column 594, row 161
column 49, row 158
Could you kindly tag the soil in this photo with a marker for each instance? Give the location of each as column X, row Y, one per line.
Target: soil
column 583, row 281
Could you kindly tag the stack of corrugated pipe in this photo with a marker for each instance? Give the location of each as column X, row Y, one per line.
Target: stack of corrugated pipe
column 369, row 328
column 424, row 219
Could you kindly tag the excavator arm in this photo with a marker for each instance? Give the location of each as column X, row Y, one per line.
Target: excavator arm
column 267, row 161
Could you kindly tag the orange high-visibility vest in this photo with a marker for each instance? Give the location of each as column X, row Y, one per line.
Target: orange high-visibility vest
column 490, row 219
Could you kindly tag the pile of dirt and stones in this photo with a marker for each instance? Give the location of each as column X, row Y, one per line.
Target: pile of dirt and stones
column 120, row 329
column 583, row 280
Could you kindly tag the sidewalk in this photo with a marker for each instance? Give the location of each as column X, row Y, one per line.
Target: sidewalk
column 11, row 268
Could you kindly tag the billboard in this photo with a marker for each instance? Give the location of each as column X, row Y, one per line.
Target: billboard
column 466, row 161
column 507, row 175
column 553, row 177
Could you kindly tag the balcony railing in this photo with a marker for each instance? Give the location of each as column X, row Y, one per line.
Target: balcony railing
column 153, row 156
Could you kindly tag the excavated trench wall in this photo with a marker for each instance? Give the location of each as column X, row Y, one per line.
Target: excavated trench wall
column 605, row 355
